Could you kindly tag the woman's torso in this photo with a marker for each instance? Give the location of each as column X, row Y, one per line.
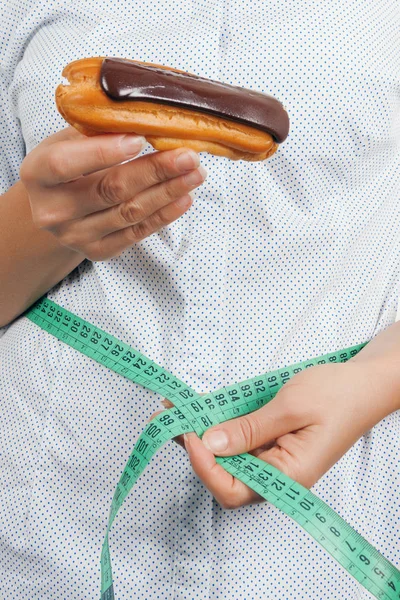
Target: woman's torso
column 275, row 262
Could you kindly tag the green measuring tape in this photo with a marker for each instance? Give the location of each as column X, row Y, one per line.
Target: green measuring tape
column 195, row 412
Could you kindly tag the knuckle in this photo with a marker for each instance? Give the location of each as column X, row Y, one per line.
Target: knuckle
column 111, row 189
column 131, row 212
column 171, row 190
column 160, row 168
column 58, row 166
column 158, row 220
column 137, row 233
column 250, row 429
column 101, row 155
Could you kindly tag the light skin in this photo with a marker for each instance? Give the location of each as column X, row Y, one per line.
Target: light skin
column 75, row 200
column 310, row 424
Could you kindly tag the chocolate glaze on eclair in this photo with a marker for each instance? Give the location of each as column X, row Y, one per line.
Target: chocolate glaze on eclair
column 125, row 80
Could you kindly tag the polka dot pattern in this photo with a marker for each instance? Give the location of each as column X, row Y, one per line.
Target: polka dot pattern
column 275, row 262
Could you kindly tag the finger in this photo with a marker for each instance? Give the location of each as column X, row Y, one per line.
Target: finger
column 228, row 491
column 167, row 403
column 128, row 180
column 73, row 157
column 113, row 244
column 180, row 441
column 68, row 133
column 99, row 224
column 97, row 192
column 121, row 184
column 282, row 415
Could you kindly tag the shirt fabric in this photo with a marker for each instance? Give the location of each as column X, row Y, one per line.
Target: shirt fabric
column 275, row 262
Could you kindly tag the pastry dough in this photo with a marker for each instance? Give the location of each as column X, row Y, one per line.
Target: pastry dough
column 84, row 104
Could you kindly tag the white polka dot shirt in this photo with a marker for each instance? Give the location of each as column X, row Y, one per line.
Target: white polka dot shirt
column 275, row 262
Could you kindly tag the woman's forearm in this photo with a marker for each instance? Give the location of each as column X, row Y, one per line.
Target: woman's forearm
column 382, row 359
column 31, row 260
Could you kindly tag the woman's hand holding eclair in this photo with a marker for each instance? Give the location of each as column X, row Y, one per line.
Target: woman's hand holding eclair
column 80, row 192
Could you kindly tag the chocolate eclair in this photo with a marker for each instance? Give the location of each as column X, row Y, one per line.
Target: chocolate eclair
column 170, row 108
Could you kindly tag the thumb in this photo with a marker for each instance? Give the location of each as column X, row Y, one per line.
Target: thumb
column 254, row 430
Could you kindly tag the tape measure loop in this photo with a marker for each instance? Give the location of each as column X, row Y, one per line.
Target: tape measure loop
column 197, row 412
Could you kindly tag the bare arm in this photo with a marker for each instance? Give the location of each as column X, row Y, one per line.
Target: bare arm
column 31, row 260
column 76, row 200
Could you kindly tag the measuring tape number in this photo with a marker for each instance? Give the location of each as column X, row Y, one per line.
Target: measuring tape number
column 195, row 412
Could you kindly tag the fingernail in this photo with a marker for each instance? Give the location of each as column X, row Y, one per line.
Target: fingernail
column 132, row 144
column 186, row 440
column 187, row 161
column 196, row 177
column 216, row 441
column 185, row 201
